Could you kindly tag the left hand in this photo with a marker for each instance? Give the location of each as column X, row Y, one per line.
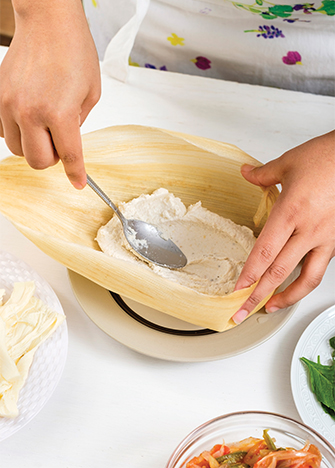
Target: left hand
column 301, row 225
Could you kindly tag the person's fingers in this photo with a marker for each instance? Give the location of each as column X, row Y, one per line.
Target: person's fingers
column 84, row 113
column 11, row 133
column 297, row 226
column 269, row 174
column 277, row 231
column 90, row 102
column 292, row 253
column 38, row 148
column 67, row 142
column 2, row 134
column 312, row 272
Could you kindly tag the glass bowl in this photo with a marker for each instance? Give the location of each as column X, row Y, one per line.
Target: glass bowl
column 237, row 426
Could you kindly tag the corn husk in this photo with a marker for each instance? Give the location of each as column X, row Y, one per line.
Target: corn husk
column 127, row 161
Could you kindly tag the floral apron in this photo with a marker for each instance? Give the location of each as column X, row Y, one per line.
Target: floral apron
column 283, row 44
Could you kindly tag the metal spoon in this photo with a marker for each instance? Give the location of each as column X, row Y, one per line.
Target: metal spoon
column 144, row 238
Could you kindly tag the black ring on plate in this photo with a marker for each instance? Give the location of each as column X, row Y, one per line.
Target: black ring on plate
column 171, row 331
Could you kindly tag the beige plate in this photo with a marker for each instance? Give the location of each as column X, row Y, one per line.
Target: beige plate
column 102, row 309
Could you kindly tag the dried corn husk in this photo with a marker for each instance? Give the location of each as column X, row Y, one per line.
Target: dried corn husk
column 127, row 161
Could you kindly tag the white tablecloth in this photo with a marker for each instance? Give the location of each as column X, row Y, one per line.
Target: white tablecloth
column 114, row 407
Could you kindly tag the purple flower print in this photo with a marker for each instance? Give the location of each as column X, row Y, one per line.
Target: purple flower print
column 202, row 62
column 148, row 65
column 205, row 11
column 306, row 7
column 293, row 20
column 269, row 32
column 292, row 58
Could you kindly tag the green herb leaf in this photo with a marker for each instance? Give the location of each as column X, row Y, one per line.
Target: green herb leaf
column 322, row 381
column 332, row 342
column 328, row 410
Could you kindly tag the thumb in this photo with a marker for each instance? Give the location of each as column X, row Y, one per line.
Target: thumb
column 263, row 175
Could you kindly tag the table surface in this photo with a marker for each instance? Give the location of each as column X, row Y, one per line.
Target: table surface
column 114, row 406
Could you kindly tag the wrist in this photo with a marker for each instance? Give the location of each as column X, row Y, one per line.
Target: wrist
column 46, row 10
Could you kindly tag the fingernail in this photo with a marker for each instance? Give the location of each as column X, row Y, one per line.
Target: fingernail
column 78, row 185
column 270, row 310
column 248, row 167
column 240, row 316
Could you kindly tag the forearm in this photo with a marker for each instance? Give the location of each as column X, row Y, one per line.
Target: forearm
column 49, row 19
column 28, row 9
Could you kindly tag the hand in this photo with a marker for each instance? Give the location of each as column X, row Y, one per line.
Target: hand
column 301, row 225
column 49, row 82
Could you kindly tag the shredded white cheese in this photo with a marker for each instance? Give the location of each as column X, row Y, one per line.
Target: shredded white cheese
column 25, row 322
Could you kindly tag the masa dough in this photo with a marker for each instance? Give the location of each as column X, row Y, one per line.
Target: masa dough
column 216, row 248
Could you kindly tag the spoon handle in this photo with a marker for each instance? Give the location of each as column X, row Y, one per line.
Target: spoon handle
column 104, row 197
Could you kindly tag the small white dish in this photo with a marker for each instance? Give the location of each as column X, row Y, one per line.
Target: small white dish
column 313, row 342
column 49, row 360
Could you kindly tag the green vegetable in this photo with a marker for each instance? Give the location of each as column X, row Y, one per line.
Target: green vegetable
column 322, row 381
column 332, row 344
column 235, row 465
column 232, row 458
column 268, row 440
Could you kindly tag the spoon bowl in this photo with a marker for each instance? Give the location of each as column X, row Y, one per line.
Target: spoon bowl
column 144, row 238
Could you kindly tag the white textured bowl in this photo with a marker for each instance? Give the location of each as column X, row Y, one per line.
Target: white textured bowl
column 50, row 358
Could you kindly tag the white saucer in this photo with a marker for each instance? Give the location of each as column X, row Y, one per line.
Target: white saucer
column 100, row 306
column 313, row 342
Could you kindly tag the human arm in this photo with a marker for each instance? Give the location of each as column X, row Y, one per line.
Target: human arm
column 49, row 82
column 301, row 225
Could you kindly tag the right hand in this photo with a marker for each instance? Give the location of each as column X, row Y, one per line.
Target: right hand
column 49, row 82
